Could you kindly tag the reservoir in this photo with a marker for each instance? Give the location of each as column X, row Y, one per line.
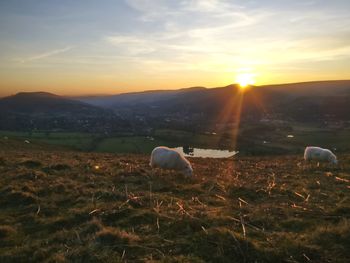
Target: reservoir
column 205, row 153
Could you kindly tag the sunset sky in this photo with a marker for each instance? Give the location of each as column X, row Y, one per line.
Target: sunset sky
column 73, row 47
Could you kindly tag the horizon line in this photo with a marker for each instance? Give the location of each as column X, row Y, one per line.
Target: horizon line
column 159, row 90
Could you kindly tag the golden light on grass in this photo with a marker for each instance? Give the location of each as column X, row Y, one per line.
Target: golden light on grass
column 245, row 79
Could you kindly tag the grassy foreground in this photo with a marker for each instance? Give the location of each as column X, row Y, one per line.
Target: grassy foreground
column 58, row 206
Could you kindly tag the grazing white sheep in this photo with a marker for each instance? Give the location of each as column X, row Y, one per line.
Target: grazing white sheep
column 319, row 154
column 167, row 158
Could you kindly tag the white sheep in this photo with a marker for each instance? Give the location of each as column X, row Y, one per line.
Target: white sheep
column 167, row 158
column 319, row 154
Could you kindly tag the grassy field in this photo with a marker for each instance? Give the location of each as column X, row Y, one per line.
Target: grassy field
column 59, row 206
column 134, row 144
column 252, row 141
column 76, row 141
column 114, row 144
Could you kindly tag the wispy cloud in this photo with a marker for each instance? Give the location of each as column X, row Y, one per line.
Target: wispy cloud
column 220, row 35
column 44, row 55
column 152, row 42
column 186, row 28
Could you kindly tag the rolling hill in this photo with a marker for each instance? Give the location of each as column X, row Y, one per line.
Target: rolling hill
column 322, row 101
column 302, row 89
column 313, row 88
column 191, row 109
column 134, row 98
column 46, row 111
column 44, row 102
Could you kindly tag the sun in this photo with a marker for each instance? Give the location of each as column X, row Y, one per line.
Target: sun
column 245, row 79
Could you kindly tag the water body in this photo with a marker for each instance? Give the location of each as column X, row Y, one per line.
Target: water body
column 205, row 153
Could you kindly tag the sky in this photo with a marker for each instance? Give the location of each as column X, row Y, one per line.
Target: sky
column 82, row 47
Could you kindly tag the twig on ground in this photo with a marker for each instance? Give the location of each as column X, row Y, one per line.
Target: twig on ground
column 127, row 201
column 158, row 226
column 158, row 205
column 182, row 209
column 205, row 231
column 94, row 211
column 307, row 198
column 167, row 240
column 130, row 197
column 308, row 259
column 220, row 197
column 247, row 224
column 38, row 211
column 300, row 195
column 298, row 206
column 243, row 201
column 342, row 179
column 123, row 255
column 243, row 227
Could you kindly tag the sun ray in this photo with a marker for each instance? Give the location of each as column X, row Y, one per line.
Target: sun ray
column 237, row 118
column 245, row 79
column 258, row 101
column 231, row 114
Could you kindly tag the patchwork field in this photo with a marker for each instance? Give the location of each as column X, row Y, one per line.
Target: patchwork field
column 252, row 140
column 59, row 206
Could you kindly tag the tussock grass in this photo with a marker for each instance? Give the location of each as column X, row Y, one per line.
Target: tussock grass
column 88, row 207
column 6, row 231
column 115, row 237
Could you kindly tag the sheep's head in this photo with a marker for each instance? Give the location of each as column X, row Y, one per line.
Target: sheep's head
column 333, row 159
column 188, row 171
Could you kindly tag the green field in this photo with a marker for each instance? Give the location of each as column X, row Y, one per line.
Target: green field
column 253, row 140
column 77, row 141
column 114, row 144
column 133, row 144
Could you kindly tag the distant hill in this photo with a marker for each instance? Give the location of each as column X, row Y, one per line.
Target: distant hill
column 313, row 88
column 192, row 109
column 46, row 103
column 307, row 101
column 46, row 111
column 133, row 98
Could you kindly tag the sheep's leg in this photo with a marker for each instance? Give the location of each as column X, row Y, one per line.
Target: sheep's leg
column 308, row 165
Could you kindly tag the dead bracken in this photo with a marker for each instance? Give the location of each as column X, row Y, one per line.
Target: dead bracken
column 241, row 210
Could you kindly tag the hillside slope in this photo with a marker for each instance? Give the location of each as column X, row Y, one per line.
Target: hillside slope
column 43, row 102
column 312, row 88
column 46, row 111
column 322, row 100
column 57, row 206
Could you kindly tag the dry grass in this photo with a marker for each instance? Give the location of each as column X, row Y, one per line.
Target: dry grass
column 59, row 206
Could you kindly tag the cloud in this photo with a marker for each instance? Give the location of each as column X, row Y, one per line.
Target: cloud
column 45, row 55
column 185, row 28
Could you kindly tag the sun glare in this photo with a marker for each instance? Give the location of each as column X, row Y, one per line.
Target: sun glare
column 245, row 79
